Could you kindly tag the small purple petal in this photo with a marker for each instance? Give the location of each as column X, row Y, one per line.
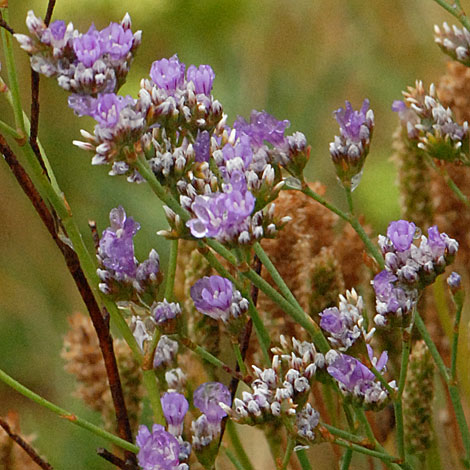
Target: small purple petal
column 207, row 398
column 401, row 233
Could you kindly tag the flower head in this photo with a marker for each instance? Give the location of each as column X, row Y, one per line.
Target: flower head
column 116, row 41
column 116, row 248
column 164, row 311
column 175, row 406
column 352, row 124
column 168, row 74
column 401, row 234
column 88, row 47
column 158, row 450
column 207, row 398
column 262, row 127
column 202, row 77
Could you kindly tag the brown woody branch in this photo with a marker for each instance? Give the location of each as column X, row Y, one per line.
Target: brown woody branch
column 115, row 460
column 73, row 265
column 25, row 446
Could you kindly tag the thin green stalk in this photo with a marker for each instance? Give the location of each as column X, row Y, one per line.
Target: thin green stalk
column 10, row 65
column 458, row 300
column 297, row 314
column 456, row 11
column 362, row 418
column 6, row 129
column 364, row 450
column 4, row 377
column 349, row 199
column 171, row 270
column 236, row 463
column 153, row 391
column 238, row 356
column 288, row 453
column 371, row 248
column 274, row 273
column 303, row 459
column 343, row 434
column 238, row 447
column 346, row 459
column 398, row 403
column 453, row 389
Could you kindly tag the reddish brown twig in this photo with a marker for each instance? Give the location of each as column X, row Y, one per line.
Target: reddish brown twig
column 25, row 446
column 73, row 265
column 5, row 25
column 50, row 9
column 115, row 460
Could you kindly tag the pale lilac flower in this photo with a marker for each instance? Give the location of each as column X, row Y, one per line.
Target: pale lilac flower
column 158, row 450
column 168, row 73
column 401, row 233
column 262, row 127
column 202, row 77
column 116, row 248
column 215, row 297
column 165, row 353
column 436, row 242
column 221, row 215
column 116, row 41
column 88, row 47
column 57, row 29
column 353, row 124
column 454, row 281
column 107, row 108
column 164, row 311
column 207, row 398
column 175, row 406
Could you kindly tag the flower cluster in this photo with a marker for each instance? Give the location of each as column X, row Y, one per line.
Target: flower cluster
column 349, row 150
column 454, row 41
column 345, row 324
column 278, row 390
column 408, row 268
column 216, row 297
column 431, row 126
column 356, row 380
column 122, row 276
column 85, row 64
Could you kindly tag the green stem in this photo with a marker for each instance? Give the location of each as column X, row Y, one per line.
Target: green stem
column 456, row 11
column 171, row 270
column 236, row 463
column 458, row 300
column 343, row 434
column 361, row 416
column 288, row 453
column 4, row 377
column 238, row 356
column 453, row 389
column 238, row 447
column 371, row 248
column 364, row 450
column 6, row 129
column 349, row 199
column 398, row 403
column 153, row 390
column 12, row 75
column 346, row 459
column 276, row 277
column 303, row 459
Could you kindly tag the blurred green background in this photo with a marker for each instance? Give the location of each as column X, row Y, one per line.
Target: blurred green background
column 297, row 59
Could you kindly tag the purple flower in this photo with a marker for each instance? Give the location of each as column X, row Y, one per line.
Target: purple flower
column 164, row 311
column 116, row 248
column 207, row 398
column 87, row 47
column 398, row 106
column 436, row 242
column 168, row 73
column 351, row 122
column 401, row 233
column 202, row 77
column 175, row 406
column 116, row 41
column 241, row 149
column 212, row 296
column 332, row 321
column 107, row 108
column 454, row 280
column 383, row 284
column 158, row 450
column 57, row 29
column 222, row 215
column 262, row 127
column 202, row 146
